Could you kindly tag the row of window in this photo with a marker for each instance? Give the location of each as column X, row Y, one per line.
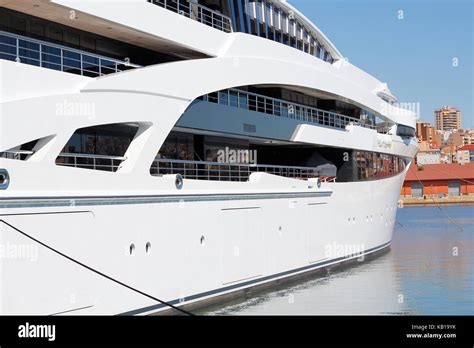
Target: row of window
column 373, row 166
column 263, row 19
column 186, row 146
column 405, row 131
column 103, row 147
column 37, row 28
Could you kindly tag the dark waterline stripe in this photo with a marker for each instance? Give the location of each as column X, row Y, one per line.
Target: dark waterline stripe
column 72, row 310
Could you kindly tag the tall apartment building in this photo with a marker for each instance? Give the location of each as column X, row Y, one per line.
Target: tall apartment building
column 447, row 118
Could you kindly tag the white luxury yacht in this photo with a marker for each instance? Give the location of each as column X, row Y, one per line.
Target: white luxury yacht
column 176, row 153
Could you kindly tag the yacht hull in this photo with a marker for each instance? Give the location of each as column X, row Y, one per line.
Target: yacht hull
column 111, row 255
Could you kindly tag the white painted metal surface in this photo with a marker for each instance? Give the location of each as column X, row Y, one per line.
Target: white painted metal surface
column 208, row 238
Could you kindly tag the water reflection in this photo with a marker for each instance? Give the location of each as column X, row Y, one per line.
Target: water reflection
column 429, row 270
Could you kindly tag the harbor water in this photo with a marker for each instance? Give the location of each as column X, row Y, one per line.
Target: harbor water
column 429, row 270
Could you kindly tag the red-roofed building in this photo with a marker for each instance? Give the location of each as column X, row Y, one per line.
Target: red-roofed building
column 435, row 180
column 465, row 154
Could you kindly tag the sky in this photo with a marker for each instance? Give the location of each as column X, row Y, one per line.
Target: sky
column 423, row 49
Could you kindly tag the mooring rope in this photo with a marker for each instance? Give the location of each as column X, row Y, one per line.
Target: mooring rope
column 96, row 271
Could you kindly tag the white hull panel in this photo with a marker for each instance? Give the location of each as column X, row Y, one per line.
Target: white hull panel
column 247, row 241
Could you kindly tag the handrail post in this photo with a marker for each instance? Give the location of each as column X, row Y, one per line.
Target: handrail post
column 40, row 55
column 82, row 66
column 62, row 55
column 18, row 60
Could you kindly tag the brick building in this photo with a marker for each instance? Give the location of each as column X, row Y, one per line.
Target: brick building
column 436, row 180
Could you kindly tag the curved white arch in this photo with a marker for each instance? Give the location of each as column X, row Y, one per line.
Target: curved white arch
column 187, row 80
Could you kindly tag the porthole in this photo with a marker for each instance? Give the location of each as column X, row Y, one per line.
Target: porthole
column 132, row 249
column 4, row 179
column 148, row 248
column 179, row 181
column 203, row 240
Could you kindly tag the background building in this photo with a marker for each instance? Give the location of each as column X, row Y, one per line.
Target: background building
column 465, row 154
column 426, row 133
column 456, row 139
column 448, row 153
column 468, row 137
column 447, row 118
column 428, row 157
column 428, row 137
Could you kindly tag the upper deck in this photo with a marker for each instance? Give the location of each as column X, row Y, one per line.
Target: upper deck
column 105, row 32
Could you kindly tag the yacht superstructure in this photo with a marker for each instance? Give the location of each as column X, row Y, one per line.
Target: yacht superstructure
column 184, row 151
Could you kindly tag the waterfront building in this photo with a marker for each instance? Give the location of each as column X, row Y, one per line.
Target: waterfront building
column 439, row 180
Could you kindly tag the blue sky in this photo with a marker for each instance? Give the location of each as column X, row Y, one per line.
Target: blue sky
column 414, row 55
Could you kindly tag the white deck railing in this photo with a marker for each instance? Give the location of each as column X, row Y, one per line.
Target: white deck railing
column 87, row 161
column 44, row 54
column 198, row 170
column 278, row 107
column 202, row 170
column 197, row 12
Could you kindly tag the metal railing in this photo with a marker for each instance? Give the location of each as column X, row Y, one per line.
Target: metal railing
column 16, row 154
column 282, row 108
column 202, row 170
column 197, row 12
column 198, row 170
column 87, row 161
column 26, row 50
